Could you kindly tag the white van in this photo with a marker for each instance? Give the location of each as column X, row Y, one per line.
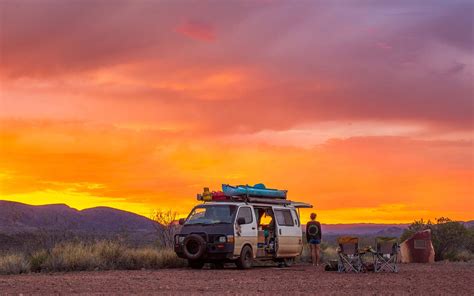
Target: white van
column 240, row 232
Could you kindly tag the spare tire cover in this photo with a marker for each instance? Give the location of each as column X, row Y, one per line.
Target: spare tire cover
column 194, row 246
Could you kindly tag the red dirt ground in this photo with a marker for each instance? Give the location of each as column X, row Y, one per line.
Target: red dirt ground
column 432, row 279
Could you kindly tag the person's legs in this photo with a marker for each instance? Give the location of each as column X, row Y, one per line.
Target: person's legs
column 317, row 255
column 313, row 253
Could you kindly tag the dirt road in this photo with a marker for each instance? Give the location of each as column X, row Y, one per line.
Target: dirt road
column 434, row 279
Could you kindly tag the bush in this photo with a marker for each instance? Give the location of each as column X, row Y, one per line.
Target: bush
column 37, row 260
column 102, row 255
column 150, row 258
column 14, row 264
column 110, row 254
column 72, row 256
column 463, row 255
column 106, row 255
column 451, row 239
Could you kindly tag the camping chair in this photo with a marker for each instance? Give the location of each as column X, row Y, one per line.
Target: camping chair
column 349, row 256
column 385, row 255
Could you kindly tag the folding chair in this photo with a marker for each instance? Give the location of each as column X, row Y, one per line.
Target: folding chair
column 385, row 256
column 349, row 257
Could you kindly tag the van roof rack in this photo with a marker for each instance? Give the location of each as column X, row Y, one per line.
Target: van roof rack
column 249, row 194
column 263, row 200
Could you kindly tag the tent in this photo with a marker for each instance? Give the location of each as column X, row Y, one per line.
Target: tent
column 418, row 248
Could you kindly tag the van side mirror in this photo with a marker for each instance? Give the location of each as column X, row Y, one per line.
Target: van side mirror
column 181, row 221
column 241, row 220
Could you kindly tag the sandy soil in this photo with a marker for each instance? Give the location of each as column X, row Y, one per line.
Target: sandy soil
column 434, row 279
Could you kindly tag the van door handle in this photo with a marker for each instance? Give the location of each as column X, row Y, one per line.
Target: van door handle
column 253, row 228
column 279, row 231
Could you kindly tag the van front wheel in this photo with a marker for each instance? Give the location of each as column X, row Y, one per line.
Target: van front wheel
column 245, row 259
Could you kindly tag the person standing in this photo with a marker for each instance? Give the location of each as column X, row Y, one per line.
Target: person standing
column 313, row 237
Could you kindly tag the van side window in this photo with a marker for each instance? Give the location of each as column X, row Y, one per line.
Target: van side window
column 284, row 217
column 246, row 213
column 297, row 219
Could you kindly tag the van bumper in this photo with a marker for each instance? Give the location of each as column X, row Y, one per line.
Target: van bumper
column 214, row 251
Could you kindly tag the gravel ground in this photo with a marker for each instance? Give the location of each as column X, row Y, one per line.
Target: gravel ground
column 426, row 279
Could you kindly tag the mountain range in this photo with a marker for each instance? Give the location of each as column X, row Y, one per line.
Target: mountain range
column 20, row 218
column 17, row 217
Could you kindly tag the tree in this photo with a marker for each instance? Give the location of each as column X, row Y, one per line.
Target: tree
column 448, row 237
column 166, row 226
column 417, row 225
column 470, row 244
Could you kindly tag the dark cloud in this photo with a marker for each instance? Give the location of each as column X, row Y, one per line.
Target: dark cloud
column 310, row 61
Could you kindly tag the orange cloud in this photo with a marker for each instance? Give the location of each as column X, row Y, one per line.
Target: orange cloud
column 391, row 179
column 107, row 103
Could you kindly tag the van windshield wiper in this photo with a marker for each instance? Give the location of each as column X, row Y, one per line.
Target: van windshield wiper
column 196, row 223
column 210, row 223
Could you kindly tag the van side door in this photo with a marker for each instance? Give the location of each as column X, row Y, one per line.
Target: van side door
column 289, row 235
column 245, row 233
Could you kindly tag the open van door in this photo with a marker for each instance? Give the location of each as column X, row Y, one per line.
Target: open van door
column 288, row 232
column 245, row 233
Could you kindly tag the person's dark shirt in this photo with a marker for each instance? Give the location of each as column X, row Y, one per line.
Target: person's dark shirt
column 313, row 230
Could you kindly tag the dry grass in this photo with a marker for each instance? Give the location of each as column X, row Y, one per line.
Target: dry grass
column 102, row 255
column 327, row 253
column 14, row 264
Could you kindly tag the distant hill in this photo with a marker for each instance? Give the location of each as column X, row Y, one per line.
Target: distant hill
column 469, row 224
column 20, row 218
column 364, row 229
column 17, row 217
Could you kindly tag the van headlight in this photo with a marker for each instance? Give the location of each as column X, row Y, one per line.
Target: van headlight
column 222, row 239
column 180, row 239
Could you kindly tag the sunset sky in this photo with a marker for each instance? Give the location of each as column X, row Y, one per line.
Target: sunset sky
column 362, row 108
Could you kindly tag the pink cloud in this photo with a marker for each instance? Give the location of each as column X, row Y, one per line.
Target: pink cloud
column 197, row 30
column 383, row 45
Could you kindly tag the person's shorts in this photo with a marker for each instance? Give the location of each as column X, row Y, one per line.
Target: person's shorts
column 314, row 241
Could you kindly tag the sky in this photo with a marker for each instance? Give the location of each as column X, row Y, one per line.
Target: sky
column 362, row 108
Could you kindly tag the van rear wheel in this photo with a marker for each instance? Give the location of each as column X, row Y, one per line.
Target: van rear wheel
column 245, row 259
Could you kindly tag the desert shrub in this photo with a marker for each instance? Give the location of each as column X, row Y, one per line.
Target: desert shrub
column 150, row 258
column 166, row 227
column 37, row 260
column 169, row 259
column 110, row 254
column 14, row 264
column 462, row 255
column 107, row 255
column 470, row 239
column 101, row 255
column 72, row 256
column 417, row 225
column 451, row 239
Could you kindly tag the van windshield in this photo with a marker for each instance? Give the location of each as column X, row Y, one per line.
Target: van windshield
column 212, row 214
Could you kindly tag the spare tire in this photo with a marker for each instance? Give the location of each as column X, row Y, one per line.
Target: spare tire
column 194, row 246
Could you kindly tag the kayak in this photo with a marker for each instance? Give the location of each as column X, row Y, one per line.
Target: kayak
column 259, row 190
